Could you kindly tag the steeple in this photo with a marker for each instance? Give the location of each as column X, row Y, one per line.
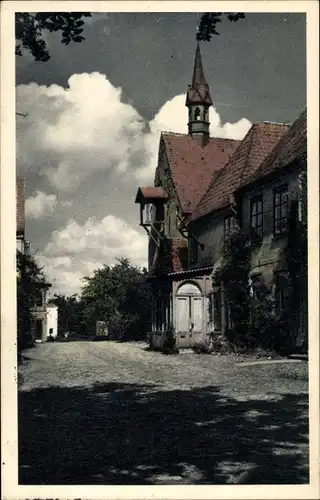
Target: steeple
column 198, row 100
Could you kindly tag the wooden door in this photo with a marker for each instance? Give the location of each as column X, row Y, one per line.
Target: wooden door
column 183, row 314
column 196, row 319
column 39, row 329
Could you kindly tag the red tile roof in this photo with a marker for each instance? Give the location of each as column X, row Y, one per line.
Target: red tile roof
column 247, row 158
column 150, row 193
column 179, row 254
column 20, row 211
column 192, row 166
column 293, row 145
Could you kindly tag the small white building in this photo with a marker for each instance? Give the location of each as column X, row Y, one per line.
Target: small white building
column 52, row 320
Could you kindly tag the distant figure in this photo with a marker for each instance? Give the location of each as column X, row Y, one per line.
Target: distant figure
column 50, row 338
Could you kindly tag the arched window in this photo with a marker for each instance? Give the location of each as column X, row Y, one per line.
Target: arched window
column 189, row 289
column 197, row 114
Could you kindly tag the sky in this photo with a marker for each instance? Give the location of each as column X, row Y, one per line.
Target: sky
column 95, row 111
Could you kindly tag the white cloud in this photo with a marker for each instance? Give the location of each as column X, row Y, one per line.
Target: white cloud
column 41, row 204
column 172, row 117
column 72, row 133
column 78, row 249
column 67, row 203
column 69, row 134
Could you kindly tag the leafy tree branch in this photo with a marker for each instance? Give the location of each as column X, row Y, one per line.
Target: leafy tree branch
column 31, row 29
column 209, row 22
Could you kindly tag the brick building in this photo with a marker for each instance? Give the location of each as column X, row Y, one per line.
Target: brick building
column 202, row 189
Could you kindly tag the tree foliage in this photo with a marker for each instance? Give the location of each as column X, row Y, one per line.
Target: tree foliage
column 234, row 274
column 32, row 27
column 29, row 279
column 70, row 318
column 120, row 296
column 210, row 20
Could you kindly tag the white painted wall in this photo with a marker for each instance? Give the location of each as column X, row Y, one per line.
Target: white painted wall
column 20, row 245
column 52, row 320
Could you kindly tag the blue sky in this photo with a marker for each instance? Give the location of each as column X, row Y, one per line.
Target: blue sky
column 95, row 111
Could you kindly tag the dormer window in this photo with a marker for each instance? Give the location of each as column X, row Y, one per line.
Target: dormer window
column 151, row 201
column 150, row 213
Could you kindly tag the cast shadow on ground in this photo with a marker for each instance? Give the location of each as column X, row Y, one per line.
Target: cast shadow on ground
column 132, row 434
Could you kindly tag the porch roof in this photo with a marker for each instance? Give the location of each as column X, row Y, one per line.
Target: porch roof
column 150, row 193
column 191, row 271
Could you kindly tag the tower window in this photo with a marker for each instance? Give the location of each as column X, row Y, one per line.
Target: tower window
column 197, row 114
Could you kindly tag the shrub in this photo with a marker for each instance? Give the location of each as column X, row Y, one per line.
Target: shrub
column 202, row 347
column 170, row 343
column 220, row 345
column 234, row 274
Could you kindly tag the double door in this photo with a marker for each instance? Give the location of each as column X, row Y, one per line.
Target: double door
column 189, row 320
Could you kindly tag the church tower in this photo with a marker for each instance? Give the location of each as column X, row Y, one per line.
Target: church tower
column 198, row 101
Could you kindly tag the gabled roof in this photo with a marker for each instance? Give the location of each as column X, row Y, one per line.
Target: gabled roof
column 20, row 210
column 293, row 145
column 193, row 166
column 150, row 193
column 247, row 158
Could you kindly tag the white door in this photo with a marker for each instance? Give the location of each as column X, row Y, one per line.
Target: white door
column 182, row 314
column 196, row 313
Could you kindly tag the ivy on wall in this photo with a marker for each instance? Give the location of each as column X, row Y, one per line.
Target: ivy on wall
column 254, row 319
column 234, row 274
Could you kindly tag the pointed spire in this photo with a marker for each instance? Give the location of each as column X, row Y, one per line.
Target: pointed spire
column 198, row 100
column 198, row 91
column 198, row 75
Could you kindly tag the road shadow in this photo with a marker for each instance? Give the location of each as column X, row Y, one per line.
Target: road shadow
column 141, row 434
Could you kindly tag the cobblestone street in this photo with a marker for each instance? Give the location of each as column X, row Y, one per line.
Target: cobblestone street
column 112, row 413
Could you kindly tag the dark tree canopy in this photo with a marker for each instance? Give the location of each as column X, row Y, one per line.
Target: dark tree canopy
column 30, row 279
column 31, row 28
column 209, row 21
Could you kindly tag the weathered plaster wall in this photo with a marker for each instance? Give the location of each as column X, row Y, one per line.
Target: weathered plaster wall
column 268, row 255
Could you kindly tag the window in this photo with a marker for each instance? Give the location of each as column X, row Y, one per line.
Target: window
column 256, row 218
column 193, row 245
column 149, row 213
column 217, row 310
column 229, row 324
column 281, row 292
column 39, row 299
column 197, row 114
column 255, row 283
column 256, row 292
column 280, row 210
column 229, row 226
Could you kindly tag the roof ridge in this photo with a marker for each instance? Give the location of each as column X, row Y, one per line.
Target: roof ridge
column 268, row 122
column 167, row 132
